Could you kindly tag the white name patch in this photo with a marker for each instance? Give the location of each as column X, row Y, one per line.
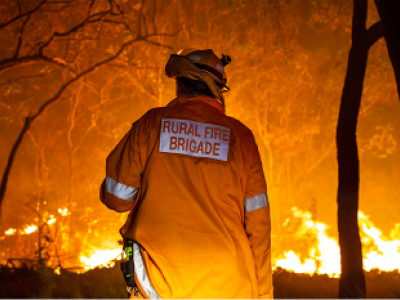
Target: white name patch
column 194, row 139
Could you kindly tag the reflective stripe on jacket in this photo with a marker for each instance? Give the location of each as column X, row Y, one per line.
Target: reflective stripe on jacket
column 193, row 181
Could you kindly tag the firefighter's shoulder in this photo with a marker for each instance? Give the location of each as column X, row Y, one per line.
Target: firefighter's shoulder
column 149, row 116
column 243, row 131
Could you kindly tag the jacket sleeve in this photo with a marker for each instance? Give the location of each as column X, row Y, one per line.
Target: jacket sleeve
column 258, row 226
column 124, row 167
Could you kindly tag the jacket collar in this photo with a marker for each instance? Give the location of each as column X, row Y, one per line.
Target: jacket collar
column 208, row 100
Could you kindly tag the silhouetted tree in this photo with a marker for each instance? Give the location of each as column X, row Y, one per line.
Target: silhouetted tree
column 352, row 280
column 389, row 14
column 87, row 21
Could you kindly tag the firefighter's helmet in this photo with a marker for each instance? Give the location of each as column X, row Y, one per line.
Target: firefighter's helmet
column 208, row 62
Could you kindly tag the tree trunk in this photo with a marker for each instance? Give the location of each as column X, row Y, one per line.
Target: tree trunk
column 11, row 157
column 389, row 14
column 352, row 280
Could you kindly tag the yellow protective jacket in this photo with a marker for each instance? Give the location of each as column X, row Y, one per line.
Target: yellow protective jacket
column 193, row 181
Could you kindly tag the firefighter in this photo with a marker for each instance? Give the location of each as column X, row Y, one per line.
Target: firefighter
column 193, row 182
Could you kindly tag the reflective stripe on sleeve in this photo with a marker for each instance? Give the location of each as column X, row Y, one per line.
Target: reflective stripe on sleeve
column 255, row 202
column 141, row 273
column 120, row 190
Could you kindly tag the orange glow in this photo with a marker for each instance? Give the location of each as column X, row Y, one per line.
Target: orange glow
column 10, row 231
column 379, row 252
column 100, row 258
column 317, row 252
column 52, row 220
column 28, row 229
column 323, row 258
column 64, row 212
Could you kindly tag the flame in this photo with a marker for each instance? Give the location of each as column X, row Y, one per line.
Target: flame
column 100, row 258
column 323, row 257
column 311, row 250
column 292, row 262
column 28, row 229
column 51, row 220
column 379, row 252
column 64, row 211
column 10, row 231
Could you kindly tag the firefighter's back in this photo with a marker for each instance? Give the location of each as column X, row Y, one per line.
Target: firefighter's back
column 190, row 215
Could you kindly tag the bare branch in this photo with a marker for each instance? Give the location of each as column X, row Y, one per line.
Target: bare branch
column 19, row 6
column 117, row 6
column 6, row 63
column 90, row 19
column 20, row 37
column 91, row 6
column 23, row 15
column 30, row 119
column 24, row 77
column 158, row 44
column 119, row 63
column 80, row 75
column 374, row 33
column 118, row 23
column 388, row 13
column 32, row 209
column 10, row 161
column 10, row 62
column 139, row 29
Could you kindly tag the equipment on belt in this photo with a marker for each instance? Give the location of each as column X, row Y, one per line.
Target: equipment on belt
column 127, row 267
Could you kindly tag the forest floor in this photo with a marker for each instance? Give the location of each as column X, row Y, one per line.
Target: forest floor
column 108, row 283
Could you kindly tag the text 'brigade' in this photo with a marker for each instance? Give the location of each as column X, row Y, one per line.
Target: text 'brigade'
column 194, row 138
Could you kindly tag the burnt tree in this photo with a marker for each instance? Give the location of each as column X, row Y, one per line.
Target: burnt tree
column 352, row 280
column 389, row 15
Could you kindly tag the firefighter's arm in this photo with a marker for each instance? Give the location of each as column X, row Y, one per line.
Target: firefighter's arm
column 258, row 226
column 124, row 167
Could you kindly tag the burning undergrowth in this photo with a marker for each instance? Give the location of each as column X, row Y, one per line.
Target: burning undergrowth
column 312, row 250
column 309, row 247
column 307, row 267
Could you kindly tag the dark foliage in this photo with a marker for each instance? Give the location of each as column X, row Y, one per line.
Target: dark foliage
column 108, row 283
column 291, row 285
column 44, row 283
